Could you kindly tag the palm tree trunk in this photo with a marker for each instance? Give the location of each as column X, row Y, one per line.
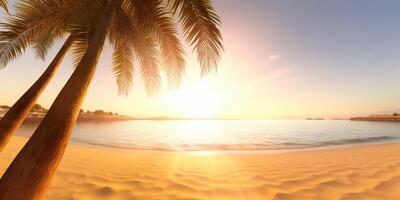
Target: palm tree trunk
column 13, row 119
column 29, row 175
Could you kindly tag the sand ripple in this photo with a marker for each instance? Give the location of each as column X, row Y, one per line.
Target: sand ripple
column 347, row 174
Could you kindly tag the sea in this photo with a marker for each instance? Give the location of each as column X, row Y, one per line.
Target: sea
column 230, row 135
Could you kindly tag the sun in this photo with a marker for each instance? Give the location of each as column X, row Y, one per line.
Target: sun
column 198, row 100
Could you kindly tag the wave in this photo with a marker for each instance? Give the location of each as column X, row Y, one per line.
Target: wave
column 245, row 146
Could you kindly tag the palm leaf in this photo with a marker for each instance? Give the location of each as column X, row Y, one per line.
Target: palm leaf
column 122, row 37
column 81, row 23
column 126, row 29
column 79, row 45
column 123, row 67
column 200, row 26
column 45, row 42
column 152, row 16
column 34, row 20
column 148, row 53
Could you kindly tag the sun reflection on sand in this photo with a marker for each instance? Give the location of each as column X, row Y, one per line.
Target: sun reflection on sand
column 208, row 169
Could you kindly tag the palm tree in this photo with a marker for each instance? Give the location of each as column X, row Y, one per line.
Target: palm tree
column 137, row 29
column 13, row 119
column 25, row 29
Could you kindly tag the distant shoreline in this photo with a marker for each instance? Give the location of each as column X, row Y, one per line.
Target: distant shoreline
column 377, row 118
column 126, row 118
column 37, row 120
column 395, row 117
column 38, row 112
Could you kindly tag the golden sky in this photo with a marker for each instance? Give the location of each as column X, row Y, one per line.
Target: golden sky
column 281, row 61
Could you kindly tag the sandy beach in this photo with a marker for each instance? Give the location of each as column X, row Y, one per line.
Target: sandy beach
column 86, row 172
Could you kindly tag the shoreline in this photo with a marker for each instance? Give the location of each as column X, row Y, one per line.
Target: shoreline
column 244, row 151
column 75, row 144
column 236, row 151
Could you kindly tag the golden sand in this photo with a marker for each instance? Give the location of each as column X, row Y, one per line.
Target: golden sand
column 369, row 172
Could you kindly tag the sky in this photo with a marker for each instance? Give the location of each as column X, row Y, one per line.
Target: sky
column 282, row 59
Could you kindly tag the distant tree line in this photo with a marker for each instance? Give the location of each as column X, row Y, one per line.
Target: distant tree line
column 4, row 107
column 97, row 112
column 41, row 109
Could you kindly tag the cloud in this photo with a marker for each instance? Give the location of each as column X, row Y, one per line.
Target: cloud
column 274, row 57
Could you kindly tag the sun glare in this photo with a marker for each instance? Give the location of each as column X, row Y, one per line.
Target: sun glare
column 196, row 101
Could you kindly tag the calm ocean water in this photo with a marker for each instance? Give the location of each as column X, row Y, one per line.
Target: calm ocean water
column 191, row 135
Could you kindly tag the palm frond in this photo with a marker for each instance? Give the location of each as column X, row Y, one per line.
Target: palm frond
column 123, row 67
column 145, row 45
column 122, row 35
column 79, row 45
column 3, row 4
column 85, row 16
column 152, row 16
column 81, row 23
column 200, row 25
column 34, row 19
column 45, row 42
column 148, row 53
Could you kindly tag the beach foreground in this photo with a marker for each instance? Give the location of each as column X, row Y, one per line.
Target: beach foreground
column 368, row 172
